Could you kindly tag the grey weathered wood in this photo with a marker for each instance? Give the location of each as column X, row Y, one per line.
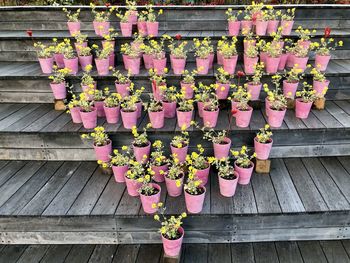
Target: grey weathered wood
column 13, row 118
column 126, row 254
column 288, row 252
column 293, row 122
column 9, row 170
column 33, row 254
column 219, row 253
column 80, row 253
column 244, row 201
column 103, row 253
column 311, row 251
column 326, row 118
column 149, row 253
column 338, row 113
column 128, row 204
column 242, row 252
column 194, row 253
column 265, row 252
column 11, row 253
column 334, row 251
column 219, row 203
column 56, row 253
column 313, row 122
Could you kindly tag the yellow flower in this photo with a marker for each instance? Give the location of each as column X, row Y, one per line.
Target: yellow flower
column 178, row 183
column 154, row 205
column 184, row 215
column 156, row 217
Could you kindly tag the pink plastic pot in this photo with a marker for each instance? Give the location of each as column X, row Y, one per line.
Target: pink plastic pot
column 233, row 27
column 84, row 61
column 179, row 152
column 321, row 62
column 267, row 106
column 156, row 119
column 132, row 186
column 102, row 66
column 254, row 90
column 148, row 201
column 249, row 64
column 230, row 64
column 244, row 174
column 290, row 60
column 234, row 104
column 302, row 109
column 79, row 46
column 178, row 65
column 125, row 61
column 134, row 65
column 141, row 152
column 188, row 88
column 103, row 152
column 304, row 43
column 101, row 28
column 112, row 114
column 262, row 150
column 287, row 27
column 263, row 56
column 301, row 62
column 261, row 27
column 89, row 119
column 172, row 247
column 211, row 60
column 119, row 173
column 59, row 90
column 219, row 58
column 73, row 27
column 159, row 65
column 184, row 118
column 243, row 117
column 139, row 109
column 172, row 188
column 169, row 109
column 75, row 114
column 58, row 57
column 152, row 28
column 194, row 203
column 283, row 61
column 222, row 150
column 126, row 29
column 202, row 65
column 223, row 90
column 157, row 92
column 203, row 175
column 272, row 64
column 72, row 65
column 46, row 65
column 200, row 106
column 142, row 28
column 158, row 176
column 148, row 61
column 246, row 25
column 210, row 118
column 129, row 119
column 228, row 187
column 275, row 118
column 132, row 17
column 122, row 89
column 289, row 89
column 111, row 60
column 320, row 86
column 272, row 26
column 86, row 88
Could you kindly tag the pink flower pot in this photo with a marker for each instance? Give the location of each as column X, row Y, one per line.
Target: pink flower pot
column 202, row 65
column 132, row 186
column 79, row 46
column 287, row 27
column 321, row 62
column 219, row 58
column 200, row 106
column 148, row 61
column 302, row 109
column 246, row 25
column 233, row 27
column 169, row 109
column 249, row 64
column 187, row 87
column 275, row 118
column 112, row 114
column 172, row 247
column 272, row 26
column 101, row 28
column 272, row 64
column 320, row 86
column 290, row 60
column 203, row 175
column 72, row 65
column 129, row 119
column 122, row 89
column 283, row 61
column 233, row 105
column 301, row 62
column 261, row 27
column 125, row 61
column 139, row 109
column 267, row 106
column 178, row 65
column 126, row 29
column 141, row 152
column 111, row 60
column 244, row 174
column 254, row 90
column 230, row 64
column 99, row 107
column 134, row 65
column 119, row 173
column 58, row 58
column 210, row 118
column 184, row 118
column 222, row 150
column 172, row 188
column 194, row 203
column 263, row 56
column 243, row 117
column 262, row 150
column 132, row 17
column 73, row 27
column 279, row 43
column 179, row 152
column 46, row 65
column 289, row 89
column 103, row 152
column 59, row 90
column 159, row 65
column 86, row 88
column 156, row 119
column 211, row 60
column 228, row 187
column 142, row 28
column 75, row 114
column 152, row 28
column 304, row 43
column 157, row 93
column 89, row 119
column 148, row 201
column 84, row 61
column 223, row 90
column 102, row 66
column 158, row 176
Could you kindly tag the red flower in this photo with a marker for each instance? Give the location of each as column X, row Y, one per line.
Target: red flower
column 178, row 37
column 233, row 111
column 240, row 74
column 107, row 5
column 327, row 32
column 254, row 17
column 30, row 33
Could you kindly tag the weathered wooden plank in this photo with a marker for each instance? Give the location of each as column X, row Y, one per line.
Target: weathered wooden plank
column 219, row 203
column 175, row 205
column 311, row 251
column 13, row 118
column 338, row 113
column 313, row 122
column 265, row 252
column 194, row 253
column 80, row 253
column 56, row 254
column 244, row 201
column 293, row 122
column 11, row 254
column 334, row 251
column 242, row 252
column 103, row 253
column 126, row 254
column 288, row 252
column 344, row 105
column 33, row 254
column 219, row 253
column 43, row 121
column 57, row 123
column 10, row 109
column 3, row 163
column 149, row 254
column 128, row 205
column 327, row 119
column 9, row 170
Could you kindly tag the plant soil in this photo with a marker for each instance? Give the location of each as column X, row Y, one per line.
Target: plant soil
column 200, row 191
column 178, row 235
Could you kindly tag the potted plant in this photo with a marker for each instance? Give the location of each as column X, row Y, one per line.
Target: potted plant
column 112, row 106
column 287, row 21
column 320, row 83
column 200, row 165
column 102, row 144
column 132, row 59
column 304, row 36
column 184, row 111
column 151, row 23
column 169, row 101
column 58, row 52
column 274, row 51
column 254, row 83
column 74, row 109
column 101, row 23
column 263, row 143
column 141, row 23
column 109, row 42
column 80, row 41
column 179, row 145
column 202, row 95
column 45, row 57
column 73, row 20
column 243, row 165
column 233, row 23
column 304, row 101
column 137, row 42
column 131, row 11
column 132, row 177
column 273, row 20
column 147, row 55
column 202, row 52
column 228, row 177
column 243, row 112
column 159, row 162
column 129, row 112
column 171, row 231
column 223, row 83
column 188, row 83
column 136, row 93
column 149, row 193
column 88, row 84
column 125, row 25
column 246, row 23
column 58, row 83
column 174, row 178
column 122, row 83
column 194, row 192
column 248, row 40
column 102, row 58
column 141, row 145
column 85, row 57
column 157, row 81
column 70, row 59
column 300, row 56
column 220, row 44
column 159, row 58
column 250, row 59
column 178, row 55
column 230, row 56
column 221, row 142
column 261, row 23
column 291, row 81
column 155, row 112
column 99, row 97
column 120, row 163
column 88, row 112
column 211, row 111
